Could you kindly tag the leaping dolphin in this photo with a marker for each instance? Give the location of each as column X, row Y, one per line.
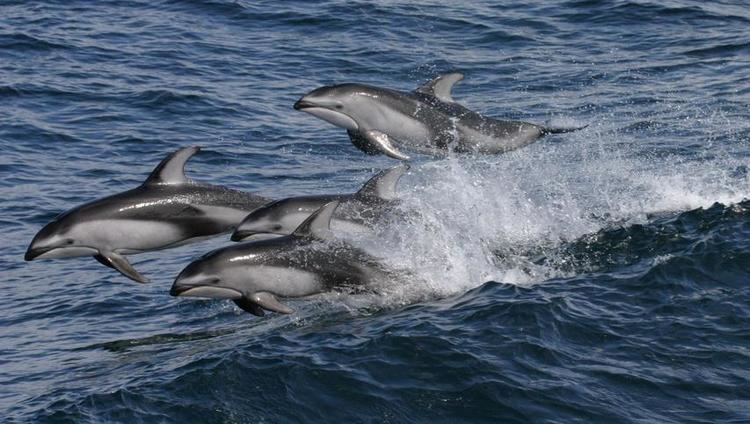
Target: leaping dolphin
column 427, row 120
column 356, row 212
column 307, row 262
column 167, row 210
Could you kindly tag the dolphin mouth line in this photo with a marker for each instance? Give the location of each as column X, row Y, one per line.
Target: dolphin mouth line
column 303, row 104
column 36, row 252
column 205, row 285
column 207, row 292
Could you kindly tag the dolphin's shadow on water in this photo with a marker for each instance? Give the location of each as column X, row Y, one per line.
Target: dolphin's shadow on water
column 313, row 312
column 118, row 346
column 318, row 313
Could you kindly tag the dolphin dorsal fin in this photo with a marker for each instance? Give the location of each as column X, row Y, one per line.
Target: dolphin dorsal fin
column 441, row 86
column 171, row 170
column 383, row 184
column 318, row 225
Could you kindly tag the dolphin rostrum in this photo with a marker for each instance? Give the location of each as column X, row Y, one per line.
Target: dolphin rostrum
column 427, row 120
column 356, row 212
column 307, row 262
column 166, row 210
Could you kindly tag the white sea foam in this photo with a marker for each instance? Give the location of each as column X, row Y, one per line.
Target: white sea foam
column 475, row 219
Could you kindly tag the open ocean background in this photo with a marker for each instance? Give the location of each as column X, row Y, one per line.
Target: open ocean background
column 601, row 275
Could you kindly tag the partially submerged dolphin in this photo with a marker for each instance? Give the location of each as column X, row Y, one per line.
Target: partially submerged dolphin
column 167, row 210
column 307, row 262
column 357, row 211
column 428, row 120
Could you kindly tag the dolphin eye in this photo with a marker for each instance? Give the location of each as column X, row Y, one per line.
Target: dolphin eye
column 277, row 227
column 339, row 107
column 69, row 241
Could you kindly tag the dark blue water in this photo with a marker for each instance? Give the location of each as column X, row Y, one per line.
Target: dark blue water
column 598, row 275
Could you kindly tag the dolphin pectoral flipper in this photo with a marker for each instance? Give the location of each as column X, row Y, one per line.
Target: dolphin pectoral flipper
column 118, row 262
column 384, row 143
column 362, row 143
column 250, row 307
column 441, row 86
column 383, row 185
column 269, row 301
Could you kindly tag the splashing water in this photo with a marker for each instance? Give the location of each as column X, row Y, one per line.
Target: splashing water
column 644, row 305
column 472, row 219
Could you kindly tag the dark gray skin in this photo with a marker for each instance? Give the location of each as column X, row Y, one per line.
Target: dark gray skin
column 356, row 212
column 167, row 210
column 381, row 120
column 307, row 262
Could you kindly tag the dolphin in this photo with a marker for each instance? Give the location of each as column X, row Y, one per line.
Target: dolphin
column 166, row 210
column 356, row 212
column 427, row 120
column 306, row 262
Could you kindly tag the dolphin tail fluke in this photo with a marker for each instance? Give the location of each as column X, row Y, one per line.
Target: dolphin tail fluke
column 560, row 130
column 118, row 262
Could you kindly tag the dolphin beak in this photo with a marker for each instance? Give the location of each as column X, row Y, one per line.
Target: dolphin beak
column 177, row 290
column 34, row 252
column 240, row 235
column 302, row 104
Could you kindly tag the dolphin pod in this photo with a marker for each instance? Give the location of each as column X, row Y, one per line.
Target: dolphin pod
column 304, row 257
column 427, row 120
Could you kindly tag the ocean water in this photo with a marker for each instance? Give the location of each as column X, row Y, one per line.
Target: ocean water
column 598, row 275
